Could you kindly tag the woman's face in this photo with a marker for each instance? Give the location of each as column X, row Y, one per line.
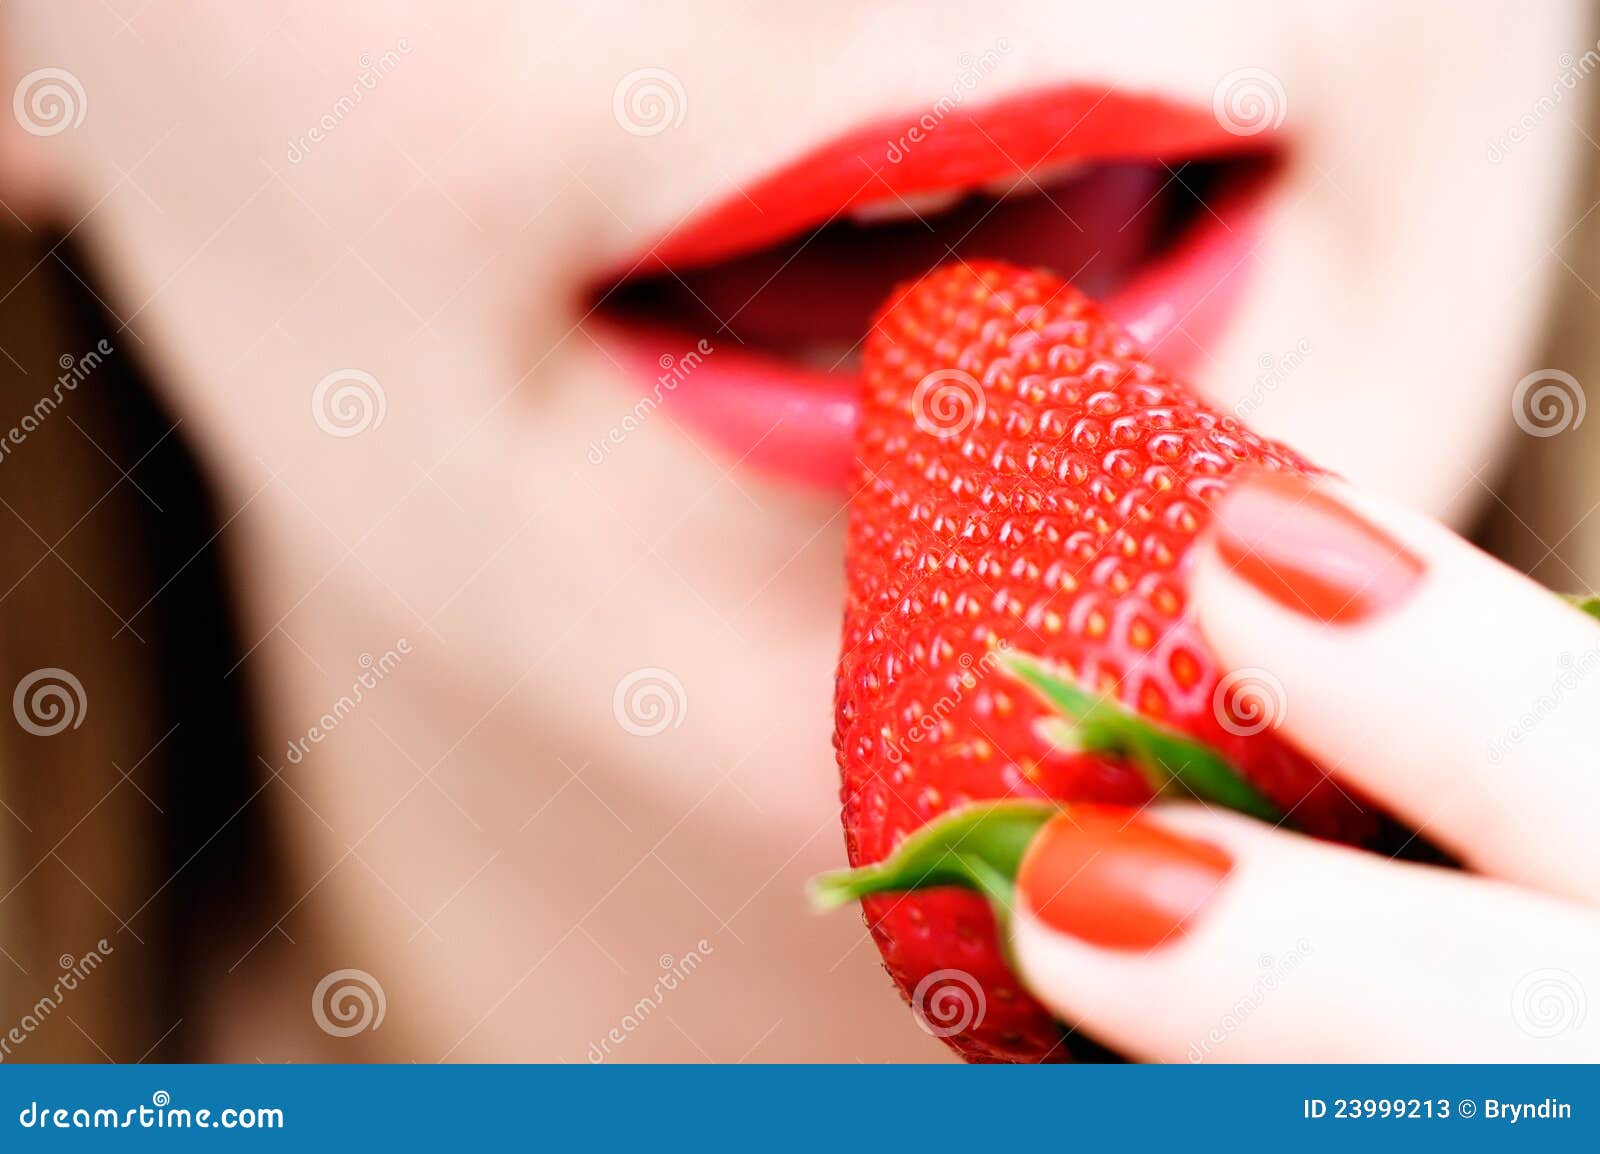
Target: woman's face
column 361, row 249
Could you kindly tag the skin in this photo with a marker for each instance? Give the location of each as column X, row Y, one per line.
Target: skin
column 482, row 835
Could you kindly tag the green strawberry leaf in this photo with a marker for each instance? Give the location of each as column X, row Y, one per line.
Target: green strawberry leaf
column 1173, row 764
column 1587, row 602
column 980, row 846
column 977, row 847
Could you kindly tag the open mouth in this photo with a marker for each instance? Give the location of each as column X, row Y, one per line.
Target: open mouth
column 747, row 321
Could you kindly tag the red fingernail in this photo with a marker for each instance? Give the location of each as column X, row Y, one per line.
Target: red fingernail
column 1109, row 878
column 1309, row 553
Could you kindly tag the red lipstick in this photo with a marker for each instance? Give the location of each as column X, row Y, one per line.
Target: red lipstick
column 907, row 156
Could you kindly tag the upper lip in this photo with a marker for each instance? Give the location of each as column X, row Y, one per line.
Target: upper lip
column 928, row 151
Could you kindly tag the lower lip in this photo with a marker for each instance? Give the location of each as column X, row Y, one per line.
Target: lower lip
column 797, row 425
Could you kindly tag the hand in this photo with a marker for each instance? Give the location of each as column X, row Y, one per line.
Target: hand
column 1455, row 693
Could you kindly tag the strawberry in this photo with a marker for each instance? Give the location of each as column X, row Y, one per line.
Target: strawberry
column 1029, row 483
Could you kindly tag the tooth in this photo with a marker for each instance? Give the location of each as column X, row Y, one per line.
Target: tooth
column 1019, row 185
column 908, row 207
column 828, row 356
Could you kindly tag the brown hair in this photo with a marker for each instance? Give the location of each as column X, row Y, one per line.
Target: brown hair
column 1545, row 518
column 126, row 775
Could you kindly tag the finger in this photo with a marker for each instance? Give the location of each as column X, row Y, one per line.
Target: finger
column 1194, row 935
column 1459, row 694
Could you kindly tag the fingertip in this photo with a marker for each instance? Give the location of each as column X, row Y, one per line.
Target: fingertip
column 1112, row 878
column 1300, row 546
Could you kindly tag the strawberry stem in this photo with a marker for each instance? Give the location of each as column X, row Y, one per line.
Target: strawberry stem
column 1174, row 765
